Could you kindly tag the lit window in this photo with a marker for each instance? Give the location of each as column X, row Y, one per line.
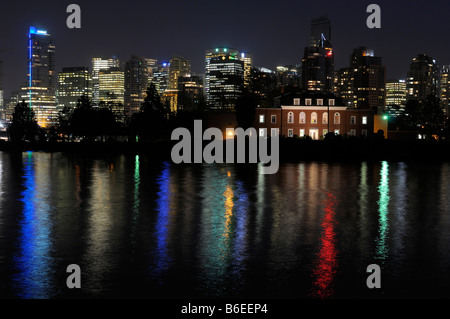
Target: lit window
column 290, row 132
column 302, row 118
column 364, row 120
column 261, row 119
column 324, row 118
column 313, row 118
column 262, row 132
column 302, row 132
column 336, row 132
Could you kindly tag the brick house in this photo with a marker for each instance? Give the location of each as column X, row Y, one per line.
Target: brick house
column 314, row 117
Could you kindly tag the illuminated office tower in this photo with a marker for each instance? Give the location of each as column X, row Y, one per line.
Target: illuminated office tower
column 422, row 79
column 369, row 80
column 112, row 90
column 73, row 83
column 97, row 65
column 224, row 78
column 445, row 88
column 247, row 58
column 396, row 93
column 343, row 87
column 190, row 92
column 160, row 76
column 39, row 92
column 318, row 58
column 178, row 67
column 136, row 83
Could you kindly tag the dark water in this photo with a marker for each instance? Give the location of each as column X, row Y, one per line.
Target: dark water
column 144, row 229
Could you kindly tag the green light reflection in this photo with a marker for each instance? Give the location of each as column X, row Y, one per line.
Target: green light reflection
column 383, row 202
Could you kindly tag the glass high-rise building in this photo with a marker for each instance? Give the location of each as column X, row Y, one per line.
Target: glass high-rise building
column 97, row 65
column 396, row 93
column 112, row 90
column 40, row 90
column 73, row 83
column 136, row 83
column 224, row 78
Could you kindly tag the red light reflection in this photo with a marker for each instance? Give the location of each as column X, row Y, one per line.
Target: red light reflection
column 326, row 262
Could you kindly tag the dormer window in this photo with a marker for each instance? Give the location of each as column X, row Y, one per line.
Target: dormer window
column 296, row 101
column 308, row 102
column 331, row 102
column 319, row 102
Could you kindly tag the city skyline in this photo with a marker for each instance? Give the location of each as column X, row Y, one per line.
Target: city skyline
column 261, row 34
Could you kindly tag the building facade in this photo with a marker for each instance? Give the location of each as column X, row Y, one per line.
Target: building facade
column 422, row 79
column 73, row 83
column 97, row 65
column 136, row 83
column 314, row 118
column 40, row 90
column 224, row 78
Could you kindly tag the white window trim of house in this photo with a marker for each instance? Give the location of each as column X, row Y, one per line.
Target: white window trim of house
column 330, row 102
column 296, row 101
column 302, row 116
column 290, row 118
column 308, row 102
column 339, row 118
column 319, row 102
column 352, row 119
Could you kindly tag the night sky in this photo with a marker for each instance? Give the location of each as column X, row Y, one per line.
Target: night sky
column 276, row 32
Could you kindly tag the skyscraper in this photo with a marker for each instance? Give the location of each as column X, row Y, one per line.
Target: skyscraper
column 97, row 65
column 422, row 79
column 320, row 28
column 445, row 88
column 224, row 78
column 73, row 83
column 178, row 67
column 369, row 80
column 318, row 58
column 136, row 83
column 112, row 90
column 39, row 92
column 396, row 93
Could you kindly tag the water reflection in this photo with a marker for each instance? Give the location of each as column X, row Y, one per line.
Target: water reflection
column 165, row 198
column 33, row 261
column 326, row 263
column 382, row 250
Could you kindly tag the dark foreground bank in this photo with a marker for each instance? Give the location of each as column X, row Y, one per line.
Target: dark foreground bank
column 291, row 149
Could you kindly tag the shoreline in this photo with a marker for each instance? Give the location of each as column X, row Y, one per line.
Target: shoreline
column 291, row 149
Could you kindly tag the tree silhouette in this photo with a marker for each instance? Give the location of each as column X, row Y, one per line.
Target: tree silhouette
column 24, row 126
